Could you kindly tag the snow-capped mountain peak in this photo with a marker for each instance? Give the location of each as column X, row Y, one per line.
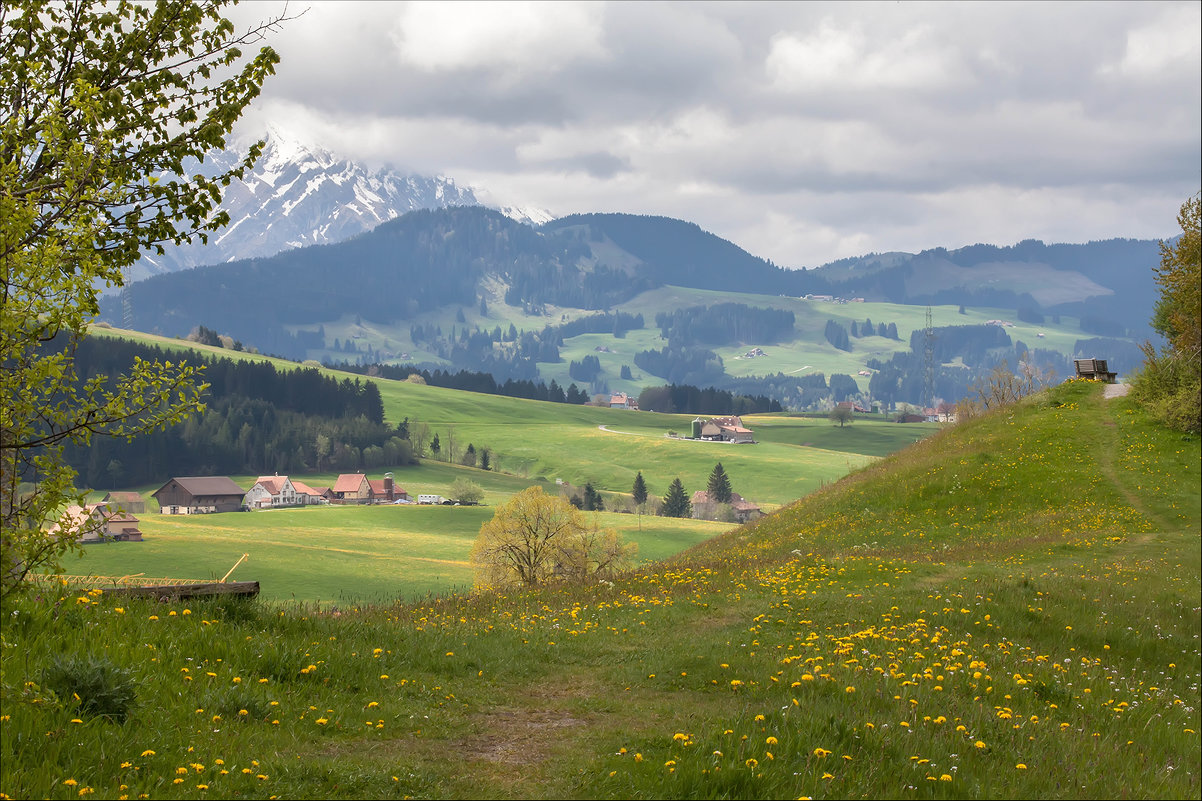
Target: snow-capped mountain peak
column 300, row 194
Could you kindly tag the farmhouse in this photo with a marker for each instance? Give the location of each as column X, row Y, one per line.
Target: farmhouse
column 726, row 429
column 273, row 492
column 97, row 522
column 385, row 491
column 855, row 407
column 705, row 508
column 620, row 400
column 192, row 495
column 128, row 501
column 352, row 488
column 313, row 495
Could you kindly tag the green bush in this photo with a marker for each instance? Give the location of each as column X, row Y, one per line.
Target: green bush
column 100, row 688
column 1171, row 389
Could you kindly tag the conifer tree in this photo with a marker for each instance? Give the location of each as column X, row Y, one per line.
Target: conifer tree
column 719, row 485
column 676, row 502
column 639, row 493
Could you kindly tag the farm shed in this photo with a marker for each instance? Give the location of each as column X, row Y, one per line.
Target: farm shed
column 192, row 495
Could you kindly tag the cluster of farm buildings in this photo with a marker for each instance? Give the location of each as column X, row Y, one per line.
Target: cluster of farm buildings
column 113, row 518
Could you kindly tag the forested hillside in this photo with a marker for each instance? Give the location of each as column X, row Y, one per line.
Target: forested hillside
column 258, row 420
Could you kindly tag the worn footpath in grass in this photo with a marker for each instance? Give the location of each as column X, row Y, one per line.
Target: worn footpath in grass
column 1009, row 609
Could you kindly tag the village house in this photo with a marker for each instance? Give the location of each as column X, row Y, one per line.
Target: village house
column 726, row 429
column 273, row 492
column 620, row 400
column 128, row 501
column 855, row 407
column 313, row 495
column 705, row 508
column 192, row 495
column 97, row 522
column 352, row 488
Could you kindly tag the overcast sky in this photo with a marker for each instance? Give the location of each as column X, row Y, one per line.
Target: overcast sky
column 803, row 132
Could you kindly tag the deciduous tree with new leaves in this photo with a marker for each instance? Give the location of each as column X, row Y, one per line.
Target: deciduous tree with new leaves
column 106, row 111
column 535, row 539
column 1170, row 382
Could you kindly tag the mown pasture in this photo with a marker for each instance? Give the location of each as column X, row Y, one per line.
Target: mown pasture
column 344, row 554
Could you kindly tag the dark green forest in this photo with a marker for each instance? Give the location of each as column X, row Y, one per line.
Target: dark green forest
column 258, row 420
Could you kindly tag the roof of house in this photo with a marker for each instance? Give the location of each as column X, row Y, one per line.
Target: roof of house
column 124, row 497
column 205, row 485
column 305, row 489
column 378, row 487
column 737, row 501
column 349, row 482
column 273, row 484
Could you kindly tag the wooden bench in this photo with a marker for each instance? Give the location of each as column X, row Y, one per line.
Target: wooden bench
column 1094, row 369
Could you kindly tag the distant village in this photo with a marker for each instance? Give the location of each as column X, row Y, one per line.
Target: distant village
column 113, row 518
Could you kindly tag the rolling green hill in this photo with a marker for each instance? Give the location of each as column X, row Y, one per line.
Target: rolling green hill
column 1008, row 609
column 466, row 288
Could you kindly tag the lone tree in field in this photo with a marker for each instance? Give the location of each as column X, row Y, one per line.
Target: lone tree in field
column 676, row 502
column 719, row 485
column 535, row 538
column 842, row 415
column 638, row 493
column 105, row 110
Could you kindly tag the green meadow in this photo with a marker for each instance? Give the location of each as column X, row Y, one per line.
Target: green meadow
column 343, row 554
column 1006, row 609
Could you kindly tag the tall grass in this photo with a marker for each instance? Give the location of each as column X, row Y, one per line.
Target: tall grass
column 1009, row 610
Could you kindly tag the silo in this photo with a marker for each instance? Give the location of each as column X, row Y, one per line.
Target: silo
column 697, row 424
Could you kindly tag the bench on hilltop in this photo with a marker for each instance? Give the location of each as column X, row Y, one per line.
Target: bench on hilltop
column 1094, row 369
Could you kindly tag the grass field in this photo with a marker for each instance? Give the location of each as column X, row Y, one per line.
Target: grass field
column 1008, row 609
column 536, row 441
column 344, row 554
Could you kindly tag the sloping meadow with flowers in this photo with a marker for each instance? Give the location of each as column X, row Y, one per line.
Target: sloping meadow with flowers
column 1009, row 609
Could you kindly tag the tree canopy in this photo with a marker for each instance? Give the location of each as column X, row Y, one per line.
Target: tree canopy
column 1170, row 382
column 107, row 109
column 534, row 539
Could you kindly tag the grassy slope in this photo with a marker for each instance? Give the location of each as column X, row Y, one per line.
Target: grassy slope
column 1008, row 610
column 533, row 439
column 807, row 352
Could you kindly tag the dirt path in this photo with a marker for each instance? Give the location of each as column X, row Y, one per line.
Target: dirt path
column 1115, row 390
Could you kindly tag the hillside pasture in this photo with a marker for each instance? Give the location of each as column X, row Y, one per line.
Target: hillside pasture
column 1006, row 610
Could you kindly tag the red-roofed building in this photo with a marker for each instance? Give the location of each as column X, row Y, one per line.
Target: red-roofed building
column 385, row 491
column 706, row 509
column 726, row 429
column 273, row 492
column 620, row 400
column 352, row 488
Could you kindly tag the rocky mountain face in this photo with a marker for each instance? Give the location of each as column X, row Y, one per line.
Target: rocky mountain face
column 297, row 196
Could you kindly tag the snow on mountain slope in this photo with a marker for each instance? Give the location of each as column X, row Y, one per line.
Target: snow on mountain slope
column 298, row 195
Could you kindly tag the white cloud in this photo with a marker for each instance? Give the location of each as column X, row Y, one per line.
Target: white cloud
column 841, row 56
column 523, row 36
column 1171, row 42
